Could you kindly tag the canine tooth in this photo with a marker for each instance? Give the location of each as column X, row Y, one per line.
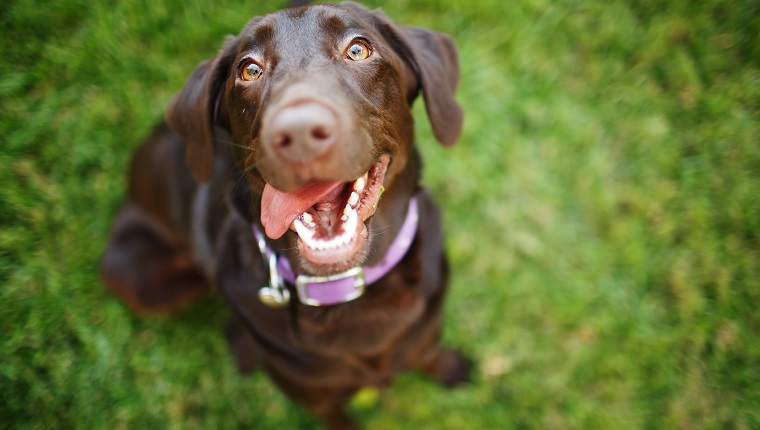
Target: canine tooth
column 350, row 225
column 347, row 210
column 353, row 199
column 307, row 218
column 303, row 232
column 359, row 184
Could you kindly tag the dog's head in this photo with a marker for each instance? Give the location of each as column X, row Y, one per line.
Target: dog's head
column 317, row 103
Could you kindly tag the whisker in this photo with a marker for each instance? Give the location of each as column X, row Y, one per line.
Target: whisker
column 229, row 190
column 237, row 145
column 287, row 249
column 378, row 231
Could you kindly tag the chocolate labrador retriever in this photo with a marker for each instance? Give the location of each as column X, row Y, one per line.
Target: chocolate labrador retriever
column 286, row 175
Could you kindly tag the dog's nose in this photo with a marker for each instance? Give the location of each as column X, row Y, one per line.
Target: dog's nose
column 302, row 132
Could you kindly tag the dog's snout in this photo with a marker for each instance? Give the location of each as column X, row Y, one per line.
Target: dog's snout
column 301, row 133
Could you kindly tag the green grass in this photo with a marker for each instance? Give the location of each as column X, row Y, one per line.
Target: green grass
column 602, row 213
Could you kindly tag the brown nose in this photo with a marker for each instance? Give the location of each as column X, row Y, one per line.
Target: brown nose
column 302, row 132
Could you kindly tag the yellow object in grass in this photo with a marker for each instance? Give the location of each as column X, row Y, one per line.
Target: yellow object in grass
column 366, row 397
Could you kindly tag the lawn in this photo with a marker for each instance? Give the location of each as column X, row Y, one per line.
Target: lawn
column 602, row 212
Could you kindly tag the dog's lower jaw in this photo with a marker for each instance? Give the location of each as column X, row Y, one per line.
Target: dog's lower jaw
column 339, row 251
column 334, row 238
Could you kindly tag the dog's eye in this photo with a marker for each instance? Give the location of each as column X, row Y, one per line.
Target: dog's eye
column 358, row 50
column 251, row 71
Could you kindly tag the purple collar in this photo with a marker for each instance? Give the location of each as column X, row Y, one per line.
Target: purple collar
column 339, row 287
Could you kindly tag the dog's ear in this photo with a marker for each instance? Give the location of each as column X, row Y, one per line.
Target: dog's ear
column 433, row 67
column 197, row 108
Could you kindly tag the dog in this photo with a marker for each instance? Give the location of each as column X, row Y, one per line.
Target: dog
column 285, row 174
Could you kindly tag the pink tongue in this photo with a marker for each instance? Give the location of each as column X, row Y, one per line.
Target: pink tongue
column 278, row 209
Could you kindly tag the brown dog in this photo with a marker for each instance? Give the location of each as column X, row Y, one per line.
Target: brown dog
column 294, row 131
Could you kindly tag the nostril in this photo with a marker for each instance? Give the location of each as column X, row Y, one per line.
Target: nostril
column 320, row 133
column 283, row 141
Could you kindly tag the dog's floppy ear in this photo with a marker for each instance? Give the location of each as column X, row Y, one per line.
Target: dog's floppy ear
column 196, row 109
column 433, row 63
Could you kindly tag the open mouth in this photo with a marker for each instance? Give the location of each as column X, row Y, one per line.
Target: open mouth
column 329, row 217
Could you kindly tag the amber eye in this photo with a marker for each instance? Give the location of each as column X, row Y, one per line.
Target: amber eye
column 251, row 71
column 358, row 50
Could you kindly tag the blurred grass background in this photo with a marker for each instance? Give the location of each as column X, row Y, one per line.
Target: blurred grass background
column 602, row 216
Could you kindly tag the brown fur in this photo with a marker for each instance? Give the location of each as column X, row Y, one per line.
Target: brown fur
column 195, row 189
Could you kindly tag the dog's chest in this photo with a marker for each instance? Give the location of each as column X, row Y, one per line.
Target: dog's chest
column 365, row 326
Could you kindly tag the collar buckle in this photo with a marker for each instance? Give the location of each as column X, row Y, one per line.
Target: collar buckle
column 274, row 295
column 331, row 290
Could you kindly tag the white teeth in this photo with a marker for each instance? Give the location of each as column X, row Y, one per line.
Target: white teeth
column 305, row 225
column 359, row 184
column 350, row 220
column 347, row 211
column 353, row 199
column 305, row 233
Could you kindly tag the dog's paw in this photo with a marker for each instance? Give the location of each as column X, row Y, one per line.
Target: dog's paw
column 450, row 368
column 460, row 371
